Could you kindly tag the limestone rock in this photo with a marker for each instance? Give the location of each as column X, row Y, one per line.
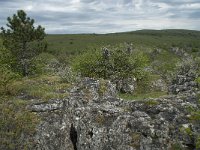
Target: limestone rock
column 159, row 85
column 91, row 120
column 126, row 85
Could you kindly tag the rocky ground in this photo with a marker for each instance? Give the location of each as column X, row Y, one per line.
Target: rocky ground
column 93, row 118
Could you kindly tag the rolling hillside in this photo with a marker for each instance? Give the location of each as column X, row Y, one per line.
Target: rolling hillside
column 75, row 43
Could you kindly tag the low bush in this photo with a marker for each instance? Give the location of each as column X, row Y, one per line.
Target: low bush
column 6, row 78
column 40, row 63
column 7, row 74
column 114, row 64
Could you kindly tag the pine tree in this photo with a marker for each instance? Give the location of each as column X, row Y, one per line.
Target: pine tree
column 23, row 40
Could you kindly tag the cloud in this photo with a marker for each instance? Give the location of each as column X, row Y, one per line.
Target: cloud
column 102, row 16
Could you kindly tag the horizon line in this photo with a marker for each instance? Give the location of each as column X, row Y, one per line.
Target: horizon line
column 123, row 31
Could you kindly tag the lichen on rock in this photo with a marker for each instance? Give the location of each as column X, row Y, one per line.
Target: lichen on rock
column 93, row 120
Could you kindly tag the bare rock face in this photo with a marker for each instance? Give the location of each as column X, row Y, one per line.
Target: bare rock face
column 159, row 85
column 127, row 85
column 179, row 51
column 92, row 118
column 184, row 82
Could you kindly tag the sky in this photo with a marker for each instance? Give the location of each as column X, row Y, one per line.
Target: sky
column 105, row 16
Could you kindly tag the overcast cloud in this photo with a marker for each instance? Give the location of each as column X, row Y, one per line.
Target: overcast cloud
column 105, row 16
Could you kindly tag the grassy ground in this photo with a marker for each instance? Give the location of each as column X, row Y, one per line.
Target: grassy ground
column 16, row 121
column 73, row 44
column 43, row 87
column 66, row 45
column 142, row 96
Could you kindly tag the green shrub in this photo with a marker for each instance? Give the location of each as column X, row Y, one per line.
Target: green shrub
column 176, row 146
column 198, row 81
column 39, row 64
column 198, row 143
column 195, row 115
column 6, row 57
column 7, row 75
column 117, row 65
column 186, row 130
column 89, row 64
column 6, row 78
column 162, row 65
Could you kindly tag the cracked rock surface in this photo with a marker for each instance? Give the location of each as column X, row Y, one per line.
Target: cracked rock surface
column 91, row 120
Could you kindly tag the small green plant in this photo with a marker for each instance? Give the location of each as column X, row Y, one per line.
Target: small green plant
column 198, row 81
column 136, row 137
column 190, row 109
column 198, row 143
column 40, row 64
column 195, row 115
column 186, row 130
column 102, row 87
column 100, row 119
column 176, row 146
column 7, row 76
column 151, row 102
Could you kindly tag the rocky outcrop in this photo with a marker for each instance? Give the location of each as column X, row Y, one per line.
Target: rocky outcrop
column 158, row 85
column 184, row 80
column 126, row 85
column 179, row 52
column 93, row 118
column 183, row 83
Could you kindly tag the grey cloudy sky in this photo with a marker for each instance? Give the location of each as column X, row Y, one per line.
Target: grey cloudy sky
column 105, row 16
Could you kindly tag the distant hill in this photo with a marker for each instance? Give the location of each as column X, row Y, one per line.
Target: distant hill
column 71, row 44
column 167, row 32
column 76, row 43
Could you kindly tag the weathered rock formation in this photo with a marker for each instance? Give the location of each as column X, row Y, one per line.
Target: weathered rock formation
column 184, row 81
column 93, row 118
